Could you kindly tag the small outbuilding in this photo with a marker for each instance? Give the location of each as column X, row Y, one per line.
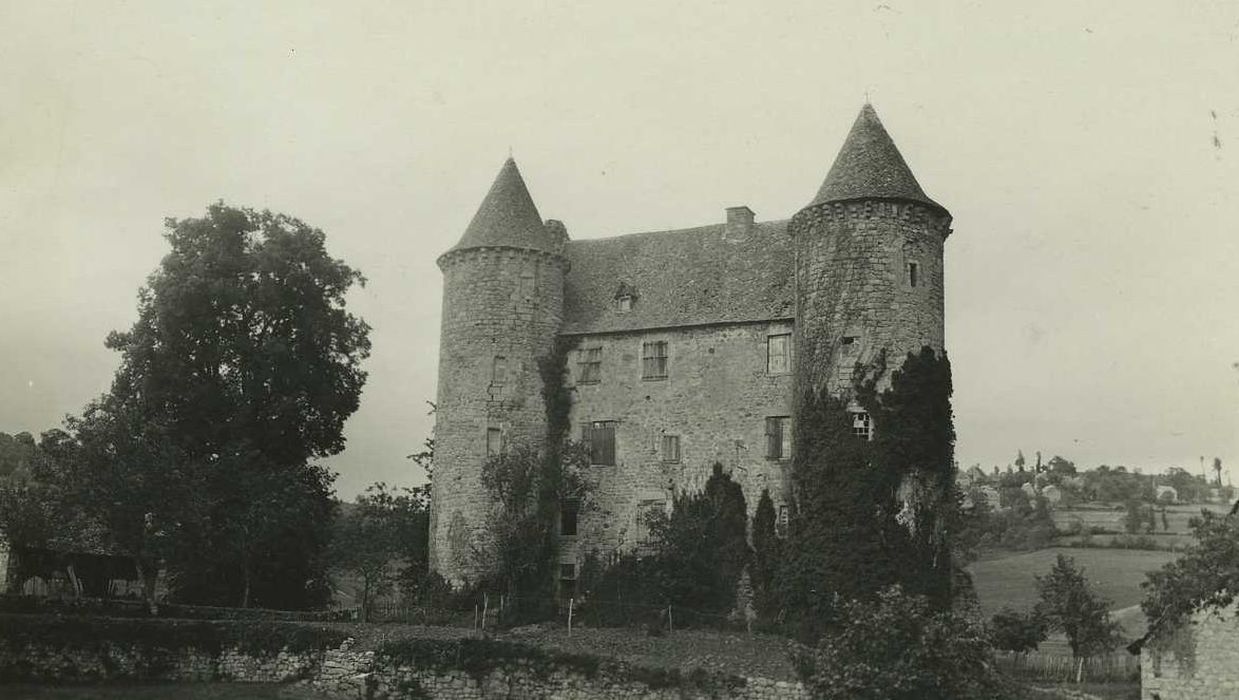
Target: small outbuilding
column 1194, row 660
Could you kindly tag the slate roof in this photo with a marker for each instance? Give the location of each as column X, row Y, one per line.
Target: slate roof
column 685, row 277
column 869, row 165
column 507, row 217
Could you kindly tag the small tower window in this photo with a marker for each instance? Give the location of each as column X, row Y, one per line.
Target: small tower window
column 527, row 285
column 494, row 441
column 499, row 370
column 567, row 580
column 671, row 448
column 780, row 524
column 623, row 304
column 914, row 271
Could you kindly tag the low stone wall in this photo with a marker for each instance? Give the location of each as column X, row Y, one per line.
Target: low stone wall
column 348, row 674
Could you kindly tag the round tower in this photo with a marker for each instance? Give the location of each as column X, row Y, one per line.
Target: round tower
column 502, row 310
column 868, row 263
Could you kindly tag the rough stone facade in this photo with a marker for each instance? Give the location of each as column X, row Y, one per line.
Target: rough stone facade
column 715, row 399
column 857, row 271
column 869, row 272
column 356, row 675
column 1195, row 661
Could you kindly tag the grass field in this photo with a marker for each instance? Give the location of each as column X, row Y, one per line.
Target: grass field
column 1114, row 573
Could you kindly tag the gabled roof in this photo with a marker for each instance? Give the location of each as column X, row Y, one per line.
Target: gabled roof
column 870, row 166
column 508, row 217
column 684, row 277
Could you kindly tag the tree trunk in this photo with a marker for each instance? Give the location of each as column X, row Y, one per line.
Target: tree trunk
column 77, row 585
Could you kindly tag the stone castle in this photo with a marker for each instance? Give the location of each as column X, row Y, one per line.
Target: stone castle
column 689, row 346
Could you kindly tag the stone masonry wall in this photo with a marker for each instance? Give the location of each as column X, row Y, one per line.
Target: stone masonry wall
column 716, row 398
column 852, row 281
column 360, row 675
column 497, row 302
column 1197, row 661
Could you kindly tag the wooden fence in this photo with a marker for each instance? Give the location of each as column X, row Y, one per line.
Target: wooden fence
column 1110, row 668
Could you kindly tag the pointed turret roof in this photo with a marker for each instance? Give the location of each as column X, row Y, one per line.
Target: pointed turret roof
column 870, row 166
column 508, row 217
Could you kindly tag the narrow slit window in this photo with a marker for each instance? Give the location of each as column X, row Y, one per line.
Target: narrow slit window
column 914, row 270
column 568, row 515
column 499, row 370
column 671, row 448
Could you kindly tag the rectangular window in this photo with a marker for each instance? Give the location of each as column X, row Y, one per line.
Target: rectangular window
column 601, row 439
column 862, row 425
column 494, row 441
column 778, row 353
column 913, row 270
column 499, row 370
column 671, row 448
column 568, row 512
column 780, row 524
column 654, row 360
column 848, row 340
column 590, row 366
column 778, row 437
column 527, row 285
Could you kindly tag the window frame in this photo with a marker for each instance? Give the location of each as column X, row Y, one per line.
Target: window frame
column 589, row 365
column 778, row 438
column 588, row 430
column 499, row 370
column 785, row 355
column 497, row 448
column 665, row 440
column 862, row 424
column 652, row 364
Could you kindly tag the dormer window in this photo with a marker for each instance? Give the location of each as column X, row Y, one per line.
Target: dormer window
column 625, row 297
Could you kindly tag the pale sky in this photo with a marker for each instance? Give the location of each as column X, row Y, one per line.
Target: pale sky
column 1088, row 151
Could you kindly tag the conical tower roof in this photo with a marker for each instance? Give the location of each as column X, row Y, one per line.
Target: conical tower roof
column 869, row 166
column 507, row 217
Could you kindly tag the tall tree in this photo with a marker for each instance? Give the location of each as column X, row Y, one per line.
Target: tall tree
column 765, row 562
column 244, row 363
column 1069, row 605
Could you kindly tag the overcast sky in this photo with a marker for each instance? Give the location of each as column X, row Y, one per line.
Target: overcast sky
column 1088, row 151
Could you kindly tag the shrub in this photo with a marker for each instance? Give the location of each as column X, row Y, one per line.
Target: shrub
column 897, row 647
column 1011, row 630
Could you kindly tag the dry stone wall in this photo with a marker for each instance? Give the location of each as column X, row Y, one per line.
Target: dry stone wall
column 349, row 674
column 1196, row 661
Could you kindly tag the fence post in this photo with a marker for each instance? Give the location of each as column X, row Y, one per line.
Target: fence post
column 570, row 603
column 1080, row 670
column 475, row 616
column 485, row 607
column 670, row 624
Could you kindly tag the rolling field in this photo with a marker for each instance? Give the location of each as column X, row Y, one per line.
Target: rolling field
column 1114, row 573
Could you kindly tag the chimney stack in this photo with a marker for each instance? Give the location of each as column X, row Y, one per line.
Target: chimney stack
column 739, row 221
